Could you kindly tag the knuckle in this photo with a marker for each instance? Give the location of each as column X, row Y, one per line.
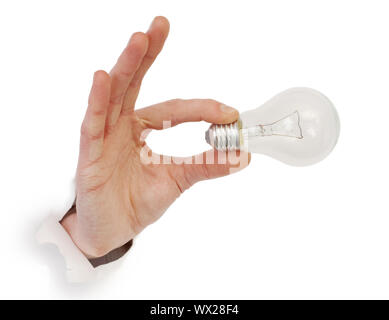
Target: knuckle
column 174, row 102
column 116, row 99
column 91, row 132
column 212, row 102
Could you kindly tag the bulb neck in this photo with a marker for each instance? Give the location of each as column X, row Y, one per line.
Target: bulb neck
column 224, row 137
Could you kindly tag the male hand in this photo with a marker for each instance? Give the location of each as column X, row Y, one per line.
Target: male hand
column 118, row 192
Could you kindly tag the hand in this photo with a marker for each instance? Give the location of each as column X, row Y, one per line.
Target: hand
column 119, row 193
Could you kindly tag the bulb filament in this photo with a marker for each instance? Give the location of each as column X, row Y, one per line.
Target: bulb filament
column 288, row 126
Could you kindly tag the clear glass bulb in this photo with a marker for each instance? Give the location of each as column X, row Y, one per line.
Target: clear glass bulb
column 299, row 126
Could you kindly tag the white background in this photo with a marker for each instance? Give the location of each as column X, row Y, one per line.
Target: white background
column 271, row 231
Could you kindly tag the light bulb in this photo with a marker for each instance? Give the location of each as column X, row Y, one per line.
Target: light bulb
column 299, row 126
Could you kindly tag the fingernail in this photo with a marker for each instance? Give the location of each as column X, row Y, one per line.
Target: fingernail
column 227, row 109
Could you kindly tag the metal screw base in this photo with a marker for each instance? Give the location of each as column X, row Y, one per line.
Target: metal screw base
column 223, row 137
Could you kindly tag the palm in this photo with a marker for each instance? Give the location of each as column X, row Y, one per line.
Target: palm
column 121, row 184
column 118, row 192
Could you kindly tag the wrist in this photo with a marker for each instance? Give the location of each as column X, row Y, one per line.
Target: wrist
column 69, row 223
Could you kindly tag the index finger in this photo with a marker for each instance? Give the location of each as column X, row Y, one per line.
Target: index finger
column 178, row 111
